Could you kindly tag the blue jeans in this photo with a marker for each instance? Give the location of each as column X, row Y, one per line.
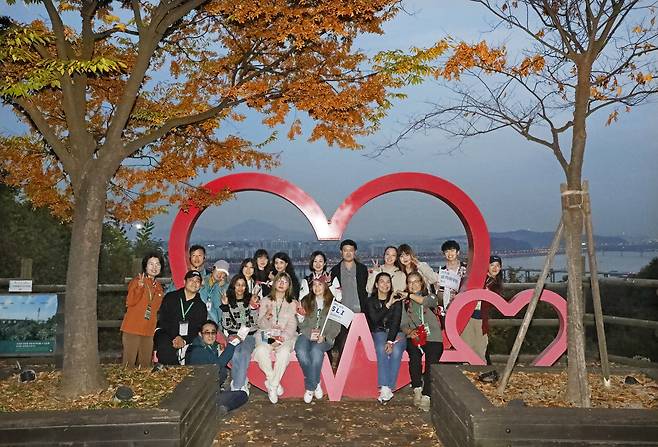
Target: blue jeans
column 388, row 366
column 310, row 356
column 240, row 361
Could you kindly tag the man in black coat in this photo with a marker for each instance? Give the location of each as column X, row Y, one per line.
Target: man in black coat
column 353, row 277
column 181, row 316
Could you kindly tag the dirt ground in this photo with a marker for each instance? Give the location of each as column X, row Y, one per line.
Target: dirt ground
column 322, row 423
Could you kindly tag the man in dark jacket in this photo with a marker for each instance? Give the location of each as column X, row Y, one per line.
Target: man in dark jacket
column 205, row 350
column 181, row 316
column 352, row 276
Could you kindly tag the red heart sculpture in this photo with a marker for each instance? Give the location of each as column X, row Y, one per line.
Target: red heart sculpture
column 346, row 383
column 462, row 302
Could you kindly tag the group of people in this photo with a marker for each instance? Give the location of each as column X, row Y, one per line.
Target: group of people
column 266, row 312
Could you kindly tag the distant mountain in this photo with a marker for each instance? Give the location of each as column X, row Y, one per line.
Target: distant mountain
column 543, row 239
column 251, row 229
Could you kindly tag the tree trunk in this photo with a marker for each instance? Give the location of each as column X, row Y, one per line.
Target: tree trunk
column 81, row 373
column 577, row 384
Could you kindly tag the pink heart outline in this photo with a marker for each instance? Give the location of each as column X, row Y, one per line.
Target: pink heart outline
column 461, row 303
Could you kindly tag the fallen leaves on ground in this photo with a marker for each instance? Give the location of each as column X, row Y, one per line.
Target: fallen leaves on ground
column 41, row 394
column 324, row 423
column 549, row 389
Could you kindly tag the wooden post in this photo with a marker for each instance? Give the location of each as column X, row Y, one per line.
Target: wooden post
column 596, row 292
column 26, row 268
column 527, row 318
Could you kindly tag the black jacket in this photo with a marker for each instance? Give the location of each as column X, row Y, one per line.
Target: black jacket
column 170, row 315
column 361, row 280
column 381, row 319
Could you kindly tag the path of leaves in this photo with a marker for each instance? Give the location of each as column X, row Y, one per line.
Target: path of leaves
column 322, row 423
column 548, row 390
column 41, row 394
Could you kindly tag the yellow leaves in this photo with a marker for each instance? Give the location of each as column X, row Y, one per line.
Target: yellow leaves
column 110, row 18
column 612, row 117
column 596, row 93
column 530, row 65
column 465, row 57
column 643, row 78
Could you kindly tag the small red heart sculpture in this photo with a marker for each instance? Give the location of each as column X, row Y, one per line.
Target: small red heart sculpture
column 461, row 306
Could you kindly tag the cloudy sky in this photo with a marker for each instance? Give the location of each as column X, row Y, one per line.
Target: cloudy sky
column 33, row 307
column 515, row 183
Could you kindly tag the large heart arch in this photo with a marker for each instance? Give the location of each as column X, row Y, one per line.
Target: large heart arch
column 332, row 229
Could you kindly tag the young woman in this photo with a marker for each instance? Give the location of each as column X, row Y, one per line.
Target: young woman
column 494, row 282
column 409, row 263
column 384, row 314
column 423, row 330
column 262, row 270
column 213, row 289
column 239, row 312
column 317, row 265
column 247, row 269
column 398, row 278
column 278, row 325
column 282, row 263
column 142, row 304
column 317, row 335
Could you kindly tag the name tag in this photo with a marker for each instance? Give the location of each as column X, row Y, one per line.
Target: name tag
column 183, row 327
column 208, row 305
column 275, row 332
column 315, row 335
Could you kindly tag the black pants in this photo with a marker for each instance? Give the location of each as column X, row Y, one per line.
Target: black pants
column 339, row 344
column 433, row 351
column 231, row 399
column 167, row 354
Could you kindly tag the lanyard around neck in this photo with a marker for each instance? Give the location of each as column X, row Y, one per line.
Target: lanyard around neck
column 186, row 311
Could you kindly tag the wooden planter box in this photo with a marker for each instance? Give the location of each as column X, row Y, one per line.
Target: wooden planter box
column 462, row 417
column 188, row 417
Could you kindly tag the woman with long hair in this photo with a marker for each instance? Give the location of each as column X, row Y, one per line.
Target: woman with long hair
column 278, row 326
column 384, row 314
column 317, row 335
column 238, row 311
column 398, row 277
column 317, row 266
column 282, row 263
column 142, row 304
column 423, row 330
column 408, row 263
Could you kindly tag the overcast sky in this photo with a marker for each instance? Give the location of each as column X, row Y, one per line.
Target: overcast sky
column 515, row 183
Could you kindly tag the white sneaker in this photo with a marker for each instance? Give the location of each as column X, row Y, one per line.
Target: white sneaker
column 425, row 403
column 245, row 388
column 308, row 396
column 318, row 392
column 389, row 394
column 279, row 390
column 418, row 394
column 274, row 398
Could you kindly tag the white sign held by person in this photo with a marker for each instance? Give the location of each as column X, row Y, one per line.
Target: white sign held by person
column 341, row 314
column 449, row 279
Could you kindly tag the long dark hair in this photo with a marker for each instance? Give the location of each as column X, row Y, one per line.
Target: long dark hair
column 230, row 292
column 261, row 275
column 375, row 292
column 290, row 270
column 407, row 250
column 308, row 303
column 313, row 256
column 244, row 263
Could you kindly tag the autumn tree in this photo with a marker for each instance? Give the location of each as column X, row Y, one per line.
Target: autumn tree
column 126, row 101
column 578, row 58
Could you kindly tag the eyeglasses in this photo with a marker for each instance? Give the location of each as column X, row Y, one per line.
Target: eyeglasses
column 415, row 281
column 209, row 332
column 283, row 281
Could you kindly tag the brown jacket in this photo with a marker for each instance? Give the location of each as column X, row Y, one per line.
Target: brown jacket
column 141, row 290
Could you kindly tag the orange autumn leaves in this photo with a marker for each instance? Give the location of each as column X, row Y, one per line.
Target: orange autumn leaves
column 220, row 59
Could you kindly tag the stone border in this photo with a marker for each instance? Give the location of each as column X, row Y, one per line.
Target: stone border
column 462, row 416
column 188, row 417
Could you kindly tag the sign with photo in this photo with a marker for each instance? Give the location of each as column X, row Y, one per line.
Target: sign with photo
column 27, row 324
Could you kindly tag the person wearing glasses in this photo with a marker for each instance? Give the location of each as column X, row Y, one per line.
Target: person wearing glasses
column 278, row 331
column 423, row 330
column 205, row 350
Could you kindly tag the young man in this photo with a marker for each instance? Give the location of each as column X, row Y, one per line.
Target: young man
column 353, row 277
column 205, row 350
column 181, row 316
column 452, row 279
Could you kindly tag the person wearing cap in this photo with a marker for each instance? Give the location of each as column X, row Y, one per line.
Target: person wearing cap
column 353, row 277
column 494, row 283
column 213, row 288
column 317, row 334
column 181, row 316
